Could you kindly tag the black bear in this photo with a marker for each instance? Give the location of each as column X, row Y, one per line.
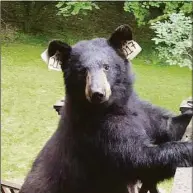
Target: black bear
column 107, row 137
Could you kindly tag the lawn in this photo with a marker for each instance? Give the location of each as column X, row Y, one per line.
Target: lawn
column 29, row 91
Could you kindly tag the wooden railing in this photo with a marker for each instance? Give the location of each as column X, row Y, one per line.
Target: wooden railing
column 183, row 180
column 9, row 187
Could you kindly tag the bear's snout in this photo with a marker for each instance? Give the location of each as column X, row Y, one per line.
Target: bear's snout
column 97, row 97
column 97, row 87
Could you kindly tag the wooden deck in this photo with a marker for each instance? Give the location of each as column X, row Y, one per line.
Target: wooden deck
column 9, row 187
column 183, row 181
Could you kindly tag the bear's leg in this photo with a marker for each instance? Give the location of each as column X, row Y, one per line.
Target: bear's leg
column 133, row 188
column 178, row 124
column 149, row 189
column 154, row 189
column 165, row 158
column 144, row 189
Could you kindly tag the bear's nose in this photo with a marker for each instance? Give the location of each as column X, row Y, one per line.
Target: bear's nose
column 97, row 97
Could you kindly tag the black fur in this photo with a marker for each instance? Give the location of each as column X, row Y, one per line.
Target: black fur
column 100, row 148
column 176, row 127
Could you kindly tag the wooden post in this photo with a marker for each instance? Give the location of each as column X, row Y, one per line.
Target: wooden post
column 183, row 180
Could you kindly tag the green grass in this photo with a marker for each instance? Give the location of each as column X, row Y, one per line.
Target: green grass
column 28, row 119
column 166, row 86
column 29, row 91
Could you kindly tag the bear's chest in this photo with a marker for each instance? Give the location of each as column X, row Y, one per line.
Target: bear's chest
column 102, row 136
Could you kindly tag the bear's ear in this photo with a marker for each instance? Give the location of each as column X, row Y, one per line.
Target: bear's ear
column 60, row 48
column 122, row 41
column 122, row 34
column 57, row 54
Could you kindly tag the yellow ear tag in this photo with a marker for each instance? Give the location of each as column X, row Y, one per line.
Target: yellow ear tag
column 131, row 49
column 52, row 62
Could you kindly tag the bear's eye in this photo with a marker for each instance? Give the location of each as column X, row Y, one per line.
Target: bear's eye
column 106, row 67
column 81, row 70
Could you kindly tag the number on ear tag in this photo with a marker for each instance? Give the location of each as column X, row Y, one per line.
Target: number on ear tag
column 131, row 49
column 53, row 63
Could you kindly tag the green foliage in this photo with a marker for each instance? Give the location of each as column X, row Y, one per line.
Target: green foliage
column 138, row 9
column 74, row 8
column 174, row 39
column 143, row 10
column 8, row 33
column 29, row 16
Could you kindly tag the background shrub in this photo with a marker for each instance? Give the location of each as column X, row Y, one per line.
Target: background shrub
column 174, row 40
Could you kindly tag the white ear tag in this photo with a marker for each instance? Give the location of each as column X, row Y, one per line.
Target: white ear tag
column 131, row 49
column 53, row 63
column 45, row 56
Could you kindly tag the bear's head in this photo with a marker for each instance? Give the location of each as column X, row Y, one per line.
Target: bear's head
column 96, row 71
